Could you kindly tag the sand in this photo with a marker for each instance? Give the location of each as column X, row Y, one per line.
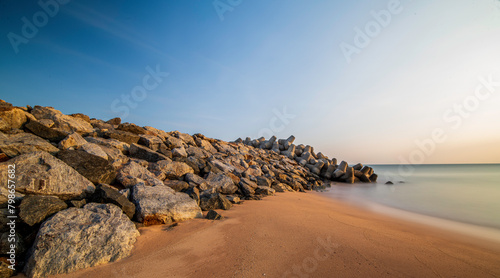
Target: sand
column 302, row 235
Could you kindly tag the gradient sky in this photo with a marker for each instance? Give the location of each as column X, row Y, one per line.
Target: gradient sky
column 237, row 72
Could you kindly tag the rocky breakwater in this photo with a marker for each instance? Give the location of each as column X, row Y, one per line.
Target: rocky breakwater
column 83, row 185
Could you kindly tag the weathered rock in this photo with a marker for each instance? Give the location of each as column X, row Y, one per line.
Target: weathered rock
column 115, row 157
column 80, row 238
column 161, row 205
column 34, row 209
column 194, row 193
column 11, row 117
column 179, row 152
column 262, row 181
column 132, row 128
column 173, row 142
column 215, row 201
column 108, row 194
column 233, row 199
column 133, row 173
column 114, row 121
column 204, row 144
column 112, row 143
column 48, row 133
column 94, row 168
column 264, row 190
column 197, row 152
column 22, row 143
column 171, row 170
column 247, row 186
column 78, row 203
column 188, row 139
column 41, row 173
column 5, row 271
column 81, row 117
column 222, row 183
column 281, row 187
column 153, row 142
column 145, row 153
column 94, row 149
column 62, row 122
column 176, row 185
column 74, row 140
column 19, row 245
column 123, row 136
column 213, row 215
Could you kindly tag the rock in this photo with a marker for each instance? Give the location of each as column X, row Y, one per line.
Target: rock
column 108, row 194
column 262, row 181
column 41, row 173
column 34, row 209
column 52, row 134
column 222, row 183
column 342, row 166
column 123, row 136
column 389, row 182
column 11, row 117
column 19, row 245
column 173, row 142
column 204, row 144
column 281, row 187
column 132, row 128
column 115, row 157
column 172, row 170
column 112, row 143
column 188, row 139
column 94, row 149
column 23, row 143
column 264, row 190
column 80, row 238
column 373, row 178
column 215, row 201
column 3, row 157
column 254, row 170
column 133, row 173
column 176, row 185
column 233, row 199
column 62, row 122
column 213, row 215
column 247, row 186
column 194, row 193
column 94, row 168
column 197, row 152
column 160, row 205
column 179, row 152
column 81, row 117
column 145, row 153
column 114, row 121
column 155, row 143
column 5, row 271
column 192, row 178
column 78, row 203
column 74, row 140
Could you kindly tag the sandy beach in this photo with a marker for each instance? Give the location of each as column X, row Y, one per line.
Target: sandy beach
column 302, row 235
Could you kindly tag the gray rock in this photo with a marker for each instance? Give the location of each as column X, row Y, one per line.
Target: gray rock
column 222, row 183
column 213, row 215
column 41, row 173
column 133, row 173
column 22, row 143
column 171, row 170
column 247, row 186
column 80, row 238
column 94, row 168
column 5, row 244
column 34, row 208
column 262, row 181
column 264, row 190
column 108, row 194
column 145, row 153
column 233, row 199
column 160, row 205
column 192, row 178
column 215, row 201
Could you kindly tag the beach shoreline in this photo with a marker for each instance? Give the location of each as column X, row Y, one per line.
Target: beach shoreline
column 302, row 235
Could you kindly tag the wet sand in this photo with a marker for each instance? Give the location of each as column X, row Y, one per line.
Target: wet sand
column 302, row 235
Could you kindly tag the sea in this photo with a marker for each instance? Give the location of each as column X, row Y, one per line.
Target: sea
column 462, row 193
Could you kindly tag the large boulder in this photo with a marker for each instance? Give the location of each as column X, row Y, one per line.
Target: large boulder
column 34, row 208
column 11, row 117
column 62, row 122
column 222, row 183
column 79, row 238
column 108, row 194
column 22, row 143
column 161, row 205
column 133, row 173
column 247, row 186
column 44, row 131
column 215, row 201
column 170, row 169
column 94, row 168
column 41, row 173
column 94, row 149
column 145, row 153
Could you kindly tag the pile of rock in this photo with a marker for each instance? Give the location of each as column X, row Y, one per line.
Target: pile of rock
column 318, row 164
column 81, row 180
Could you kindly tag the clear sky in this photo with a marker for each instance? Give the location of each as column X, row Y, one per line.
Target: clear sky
column 363, row 81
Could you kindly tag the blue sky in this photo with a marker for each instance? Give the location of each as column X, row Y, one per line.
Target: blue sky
column 258, row 67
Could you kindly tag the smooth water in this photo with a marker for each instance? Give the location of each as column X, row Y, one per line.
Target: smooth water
column 468, row 193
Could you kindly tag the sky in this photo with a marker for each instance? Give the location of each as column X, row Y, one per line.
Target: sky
column 375, row 82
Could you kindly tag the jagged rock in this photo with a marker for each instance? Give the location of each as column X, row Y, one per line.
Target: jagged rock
column 204, row 144
column 74, row 140
column 194, row 193
column 281, row 187
column 22, row 143
column 222, row 183
column 192, row 178
column 48, row 133
column 80, row 238
column 62, row 122
column 215, row 201
column 94, row 168
column 188, row 139
column 11, row 117
column 132, row 128
column 112, row 143
column 115, row 157
column 145, row 153
column 153, row 142
column 5, row 271
column 41, row 173
column 176, row 185
column 34, row 209
column 133, row 173
column 108, row 194
column 78, row 203
column 173, row 142
column 264, row 190
column 233, row 199
column 262, row 181
column 213, row 215
column 81, row 117
column 114, row 121
column 197, row 152
column 123, row 136
column 19, row 244
column 161, row 205
column 247, row 186
column 171, row 170
column 179, row 152
column 94, row 149
column 254, row 170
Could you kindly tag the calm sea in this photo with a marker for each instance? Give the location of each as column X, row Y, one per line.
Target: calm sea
column 468, row 193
